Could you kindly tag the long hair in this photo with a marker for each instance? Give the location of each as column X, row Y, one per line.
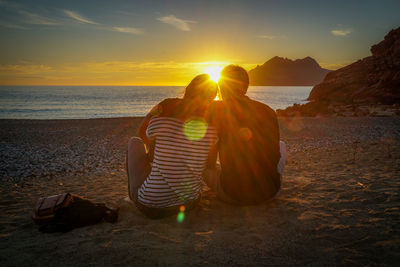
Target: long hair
column 201, row 89
column 198, row 96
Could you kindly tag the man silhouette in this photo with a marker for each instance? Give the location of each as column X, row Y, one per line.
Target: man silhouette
column 249, row 146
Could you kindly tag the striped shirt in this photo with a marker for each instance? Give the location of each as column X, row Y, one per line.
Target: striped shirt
column 180, row 155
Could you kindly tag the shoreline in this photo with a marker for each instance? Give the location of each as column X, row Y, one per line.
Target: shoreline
column 112, row 118
column 339, row 202
column 297, row 110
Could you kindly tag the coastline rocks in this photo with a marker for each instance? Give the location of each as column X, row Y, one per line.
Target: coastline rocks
column 373, row 79
column 368, row 87
column 325, row 109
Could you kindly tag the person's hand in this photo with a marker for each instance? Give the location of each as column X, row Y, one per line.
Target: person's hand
column 155, row 111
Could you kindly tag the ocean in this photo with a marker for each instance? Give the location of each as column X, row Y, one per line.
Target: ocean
column 82, row 102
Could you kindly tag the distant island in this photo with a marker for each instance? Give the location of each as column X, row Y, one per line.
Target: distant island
column 280, row 71
column 368, row 87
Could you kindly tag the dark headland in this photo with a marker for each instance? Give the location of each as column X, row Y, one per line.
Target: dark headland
column 280, row 71
column 368, row 87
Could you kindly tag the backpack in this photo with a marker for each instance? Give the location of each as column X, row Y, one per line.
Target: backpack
column 64, row 212
column 45, row 207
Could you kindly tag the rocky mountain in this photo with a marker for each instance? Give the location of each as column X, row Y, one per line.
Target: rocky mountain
column 280, row 71
column 371, row 80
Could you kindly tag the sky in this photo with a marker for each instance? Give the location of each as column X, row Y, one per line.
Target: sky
column 169, row 42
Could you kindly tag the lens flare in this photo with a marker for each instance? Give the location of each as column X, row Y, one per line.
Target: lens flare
column 180, row 217
column 195, row 129
column 245, row 133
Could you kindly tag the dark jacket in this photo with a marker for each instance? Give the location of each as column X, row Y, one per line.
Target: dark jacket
column 249, row 149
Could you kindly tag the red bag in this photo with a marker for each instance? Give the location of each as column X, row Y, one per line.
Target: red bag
column 46, row 207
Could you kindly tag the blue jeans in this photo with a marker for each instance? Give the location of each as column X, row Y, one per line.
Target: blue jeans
column 137, row 166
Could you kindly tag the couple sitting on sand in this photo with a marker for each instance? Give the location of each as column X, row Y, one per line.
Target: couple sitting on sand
column 181, row 138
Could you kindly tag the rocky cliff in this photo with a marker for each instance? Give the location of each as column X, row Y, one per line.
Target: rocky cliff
column 371, row 80
column 368, row 87
column 280, row 71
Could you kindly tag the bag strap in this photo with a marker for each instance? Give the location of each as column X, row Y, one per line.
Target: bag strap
column 39, row 205
column 52, row 203
column 61, row 199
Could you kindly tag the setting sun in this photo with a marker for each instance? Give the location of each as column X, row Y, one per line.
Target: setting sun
column 214, row 72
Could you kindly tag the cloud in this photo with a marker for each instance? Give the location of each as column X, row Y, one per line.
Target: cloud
column 78, row 17
column 25, row 69
column 103, row 73
column 180, row 24
column 32, row 18
column 269, row 37
column 12, row 26
column 9, row 5
column 341, row 32
column 108, row 67
column 28, row 17
column 130, row 30
column 272, row 37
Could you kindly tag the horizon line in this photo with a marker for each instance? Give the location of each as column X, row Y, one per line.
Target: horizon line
column 86, row 85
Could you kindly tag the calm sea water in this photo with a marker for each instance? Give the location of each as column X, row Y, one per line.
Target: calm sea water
column 81, row 102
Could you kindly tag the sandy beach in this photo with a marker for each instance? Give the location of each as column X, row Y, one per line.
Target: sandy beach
column 339, row 205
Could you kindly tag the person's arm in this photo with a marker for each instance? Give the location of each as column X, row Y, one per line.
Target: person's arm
column 269, row 137
column 276, row 134
column 212, row 116
column 211, row 172
column 155, row 111
column 212, row 157
column 149, row 142
column 143, row 127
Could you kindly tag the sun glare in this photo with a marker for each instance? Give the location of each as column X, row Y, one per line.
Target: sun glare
column 214, row 72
